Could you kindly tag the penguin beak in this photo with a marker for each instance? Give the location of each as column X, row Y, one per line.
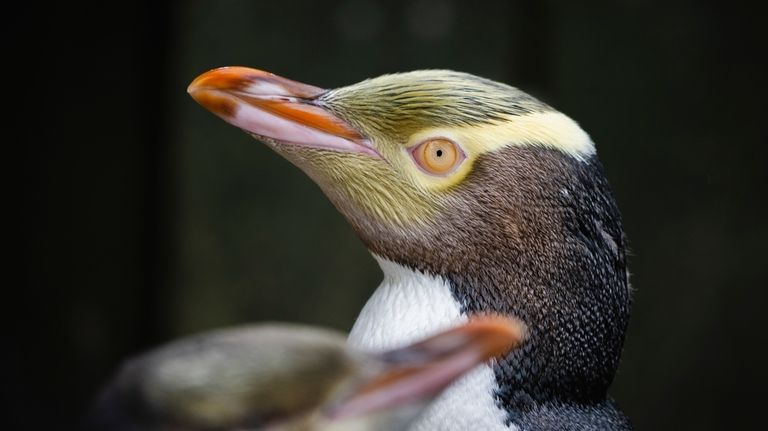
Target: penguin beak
column 421, row 371
column 276, row 109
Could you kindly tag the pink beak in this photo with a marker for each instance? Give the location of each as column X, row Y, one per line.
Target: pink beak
column 277, row 109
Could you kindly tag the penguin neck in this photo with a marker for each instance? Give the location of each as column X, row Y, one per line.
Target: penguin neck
column 410, row 305
column 407, row 306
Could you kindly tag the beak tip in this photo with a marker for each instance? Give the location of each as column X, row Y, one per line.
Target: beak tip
column 499, row 334
column 195, row 86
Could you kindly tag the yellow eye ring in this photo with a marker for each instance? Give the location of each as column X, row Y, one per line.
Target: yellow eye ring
column 438, row 156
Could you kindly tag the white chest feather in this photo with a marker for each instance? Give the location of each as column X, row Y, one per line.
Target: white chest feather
column 407, row 307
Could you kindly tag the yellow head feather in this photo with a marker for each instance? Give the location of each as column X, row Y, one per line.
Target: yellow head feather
column 398, row 111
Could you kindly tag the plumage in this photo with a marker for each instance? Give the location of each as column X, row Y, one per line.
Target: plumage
column 292, row 377
column 523, row 223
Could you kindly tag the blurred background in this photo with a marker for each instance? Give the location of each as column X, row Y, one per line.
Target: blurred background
column 145, row 218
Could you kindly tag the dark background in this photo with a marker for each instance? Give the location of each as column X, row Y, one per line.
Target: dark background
column 143, row 217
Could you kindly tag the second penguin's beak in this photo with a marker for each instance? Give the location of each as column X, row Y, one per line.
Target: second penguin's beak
column 276, row 109
column 421, row 371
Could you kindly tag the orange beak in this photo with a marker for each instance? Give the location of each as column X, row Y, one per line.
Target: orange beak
column 276, row 109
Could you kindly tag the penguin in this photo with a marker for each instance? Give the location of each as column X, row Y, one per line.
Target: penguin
column 473, row 196
column 281, row 376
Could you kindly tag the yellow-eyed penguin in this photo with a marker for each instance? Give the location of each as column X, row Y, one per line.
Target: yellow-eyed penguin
column 473, row 196
column 282, row 377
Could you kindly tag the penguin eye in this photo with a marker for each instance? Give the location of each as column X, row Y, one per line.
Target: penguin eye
column 438, row 156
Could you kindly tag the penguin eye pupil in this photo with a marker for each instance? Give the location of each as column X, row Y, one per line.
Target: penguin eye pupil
column 439, row 156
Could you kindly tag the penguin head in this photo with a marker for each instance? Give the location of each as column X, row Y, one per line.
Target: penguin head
column 390, row 151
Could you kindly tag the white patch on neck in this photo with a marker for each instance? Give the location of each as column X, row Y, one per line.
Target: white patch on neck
column 409, row 306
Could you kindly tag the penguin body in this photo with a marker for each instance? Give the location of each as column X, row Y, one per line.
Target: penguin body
column 474, row 197
column 410, row 303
